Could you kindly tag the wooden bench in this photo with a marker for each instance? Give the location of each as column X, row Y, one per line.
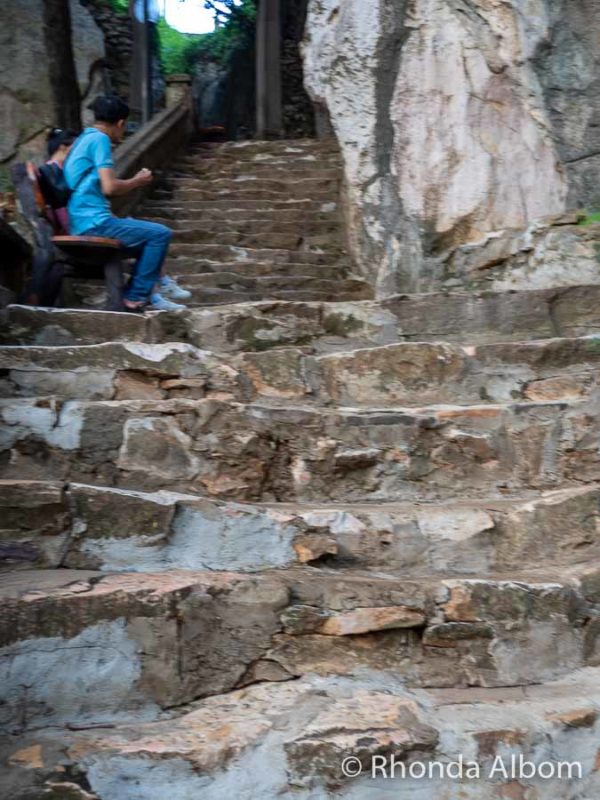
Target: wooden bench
column 54, row 253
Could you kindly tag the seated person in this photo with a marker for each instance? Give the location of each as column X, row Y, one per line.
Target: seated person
column 45, row 285
column 89, row 171
column 59, row 143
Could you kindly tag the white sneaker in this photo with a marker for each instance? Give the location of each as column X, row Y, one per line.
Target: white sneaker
column 170, row 288
column 160, row 303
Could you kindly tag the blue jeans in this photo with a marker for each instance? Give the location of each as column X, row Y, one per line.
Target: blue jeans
column 147, row 242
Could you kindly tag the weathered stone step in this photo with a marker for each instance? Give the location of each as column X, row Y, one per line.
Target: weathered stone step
column 486, row 317
column 418, row 373
column 485, row 739
column 224, row 297
column 267, row 149
column 216, row 227
column 407, row 374
column 182, row 216
column 275, row 255
column 295, row 239
column 193, row 271
column 254, row 452
column 168, row 203
column 61, row 326
column 482, row 318
column 120, row 371
column 230, row 163
column 133, row 644
column 291, row 186
column 265, row 287
column 283, row 174
column 222, row 208
column 234, row 193
column 48, row 524
column 276, row 281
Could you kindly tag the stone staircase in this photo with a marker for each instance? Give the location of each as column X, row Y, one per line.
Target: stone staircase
column 244, row 542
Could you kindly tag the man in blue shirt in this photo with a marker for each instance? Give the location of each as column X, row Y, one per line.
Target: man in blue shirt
column 89, row 172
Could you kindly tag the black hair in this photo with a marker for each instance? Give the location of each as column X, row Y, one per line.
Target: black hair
column 109, row 108
column 58, row 137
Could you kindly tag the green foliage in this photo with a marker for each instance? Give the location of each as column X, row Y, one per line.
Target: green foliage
column 591, row 218
column 176, row 49
column 234, row 26
column 120, row 6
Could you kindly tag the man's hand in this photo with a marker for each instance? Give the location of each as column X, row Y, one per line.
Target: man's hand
column 114, row 187
column 143, row 177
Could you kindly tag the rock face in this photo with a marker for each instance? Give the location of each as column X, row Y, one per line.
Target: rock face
column 26, row 104
column 456, row 120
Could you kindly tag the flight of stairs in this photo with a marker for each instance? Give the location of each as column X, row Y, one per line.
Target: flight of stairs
column 293, row 524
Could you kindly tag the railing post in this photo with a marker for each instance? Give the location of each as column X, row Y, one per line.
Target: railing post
column 269, row 117
column 178, row 89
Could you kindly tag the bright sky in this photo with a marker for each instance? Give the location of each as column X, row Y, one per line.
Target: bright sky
column 189, row 16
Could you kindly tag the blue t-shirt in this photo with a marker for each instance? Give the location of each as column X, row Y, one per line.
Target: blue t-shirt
column 88, row 206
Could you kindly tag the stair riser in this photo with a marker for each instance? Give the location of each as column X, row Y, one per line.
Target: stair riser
column 129, row 651
column 260, row 453
column 181, row 227
column 220, row 208
column 226, row 252
column 478, row 319
column 217, row 219
column 295, row 240
column 195, row 272
column 49, row 525
column 112, row 371
column 405, row 375
column 278, row 171
column 235, row 194
column 419, row 374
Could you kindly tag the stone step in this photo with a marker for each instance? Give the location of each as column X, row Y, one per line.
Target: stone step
column 50, row 524
column 234, row 193
column 291, row 185
column 27, row 325
column 194, row 271
column 417, row 373
column 135, row 644
column 407, row 374
column 298, row 239
column 167, row 204
column 120, row 371
column 211, row 297
column 291, row 453
column 265, row 283
column 257, row 227
column 479, row 319
column 274, row 255
column 486, row 317
column 493, row 741
column 298, row 161
column 253, row 150
column 218, row 287
column 284, row 171
column 213, row 218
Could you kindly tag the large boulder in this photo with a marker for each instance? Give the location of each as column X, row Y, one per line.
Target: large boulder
column 456, row 120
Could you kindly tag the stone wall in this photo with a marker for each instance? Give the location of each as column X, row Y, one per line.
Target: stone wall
column 298, row 114
column 456, row 119
column 118, row 36
column 26, row 102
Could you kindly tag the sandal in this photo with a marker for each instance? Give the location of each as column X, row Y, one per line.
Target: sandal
column 134, row 306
